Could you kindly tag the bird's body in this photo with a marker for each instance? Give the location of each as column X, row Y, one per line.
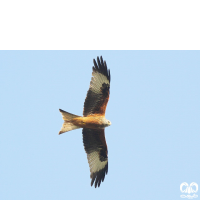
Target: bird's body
column 93, row 122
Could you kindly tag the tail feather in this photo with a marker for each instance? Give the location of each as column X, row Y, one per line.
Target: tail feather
column 67, row 115
column 67, row 125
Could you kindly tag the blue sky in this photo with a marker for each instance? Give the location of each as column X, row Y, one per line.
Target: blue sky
column 153, row 142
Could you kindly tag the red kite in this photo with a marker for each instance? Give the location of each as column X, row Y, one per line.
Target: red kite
column 93, row 122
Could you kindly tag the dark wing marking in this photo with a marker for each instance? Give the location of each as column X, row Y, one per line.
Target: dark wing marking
column 97, row 154
column 98, row 93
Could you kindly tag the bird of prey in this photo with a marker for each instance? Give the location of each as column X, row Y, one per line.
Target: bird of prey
column 93, row 122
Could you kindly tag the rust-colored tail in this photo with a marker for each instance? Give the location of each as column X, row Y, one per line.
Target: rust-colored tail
column 67, row 125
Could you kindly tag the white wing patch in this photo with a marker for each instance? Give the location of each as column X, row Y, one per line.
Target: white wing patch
column 97, row 81
column 95, row 163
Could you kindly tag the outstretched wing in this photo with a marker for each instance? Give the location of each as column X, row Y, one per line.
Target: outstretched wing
column 97, row 154
column 98, row 93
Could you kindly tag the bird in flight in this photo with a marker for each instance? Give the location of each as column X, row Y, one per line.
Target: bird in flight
column 93, row 122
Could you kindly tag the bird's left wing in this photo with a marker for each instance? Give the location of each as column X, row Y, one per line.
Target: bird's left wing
column 97, row 154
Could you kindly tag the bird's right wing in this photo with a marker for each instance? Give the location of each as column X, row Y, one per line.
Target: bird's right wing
column 99, row 91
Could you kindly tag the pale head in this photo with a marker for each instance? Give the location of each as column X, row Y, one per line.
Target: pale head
column 106, row 122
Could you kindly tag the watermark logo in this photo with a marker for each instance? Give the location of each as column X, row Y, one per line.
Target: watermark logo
column 189, row 189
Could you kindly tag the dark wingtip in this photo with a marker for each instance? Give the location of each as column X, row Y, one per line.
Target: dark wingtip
column 101, row 66
column 98, row 177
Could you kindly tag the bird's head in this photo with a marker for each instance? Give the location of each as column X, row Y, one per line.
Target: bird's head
column 108, row 122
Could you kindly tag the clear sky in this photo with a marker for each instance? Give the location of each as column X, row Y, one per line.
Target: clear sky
column 153, row 142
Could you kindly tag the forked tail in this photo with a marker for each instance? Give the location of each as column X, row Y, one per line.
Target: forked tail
column 67, row 125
